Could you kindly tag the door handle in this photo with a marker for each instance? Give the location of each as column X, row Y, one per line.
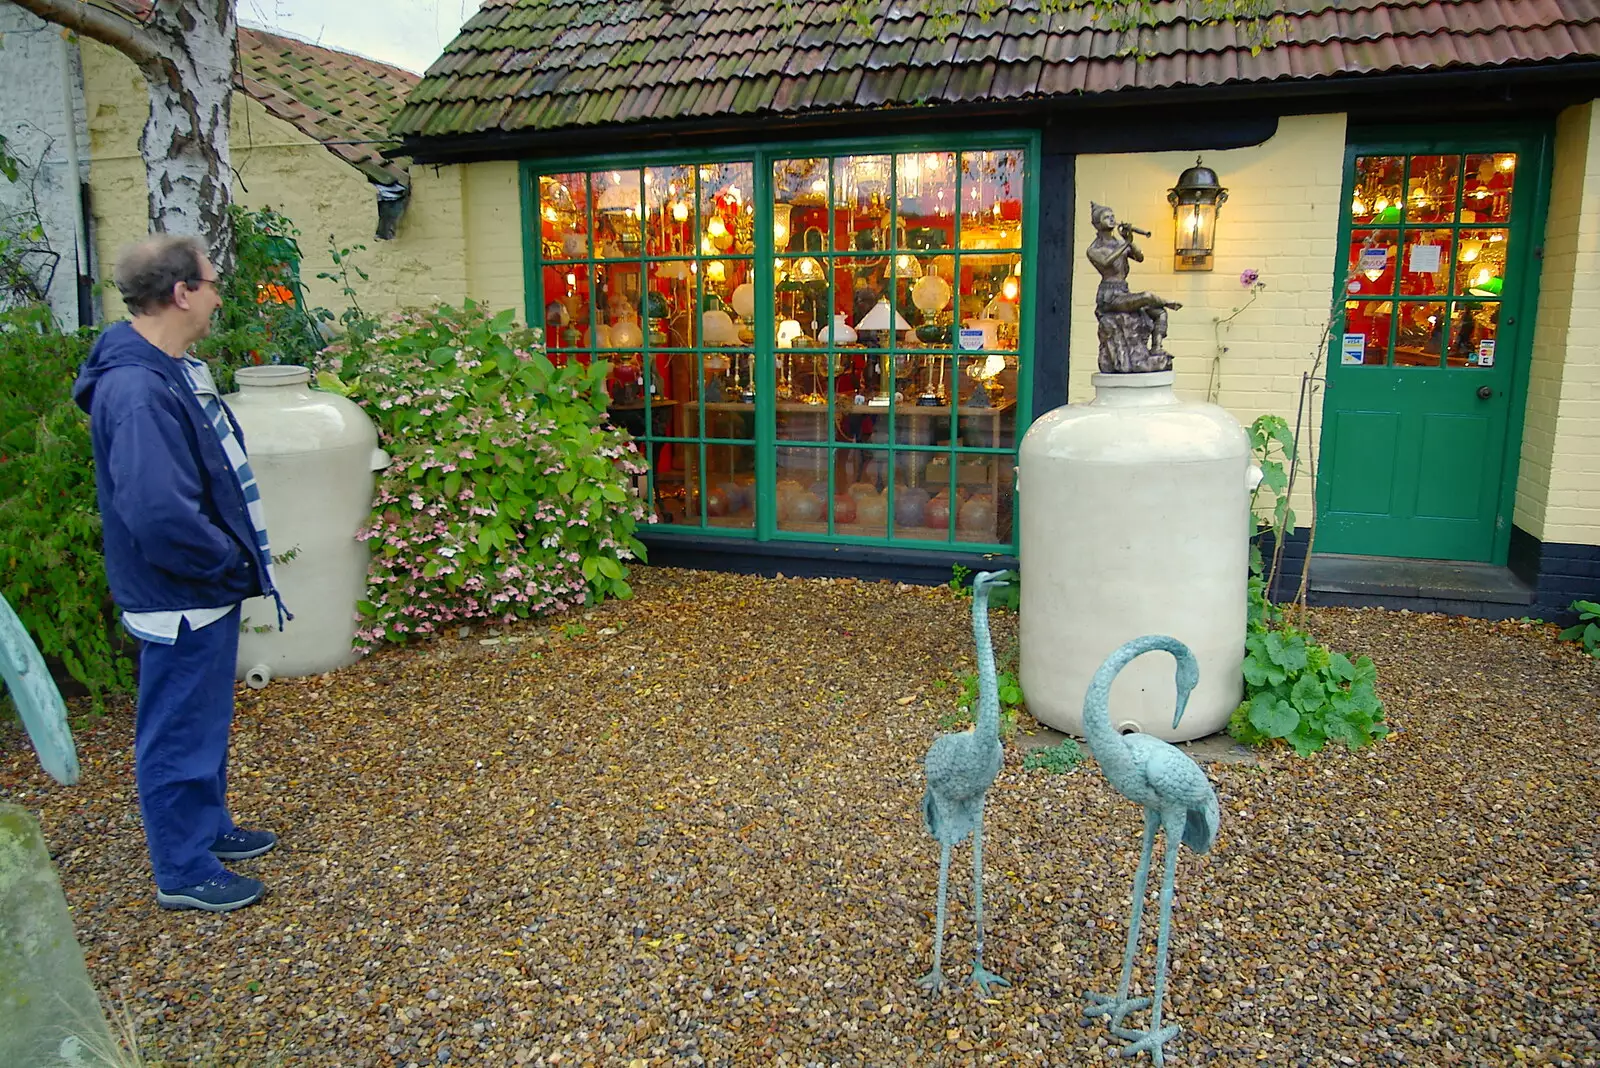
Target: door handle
column 1484, row 392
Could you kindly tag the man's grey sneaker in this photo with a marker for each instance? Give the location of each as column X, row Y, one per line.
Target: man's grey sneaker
column 222, row 892
column 240, row 844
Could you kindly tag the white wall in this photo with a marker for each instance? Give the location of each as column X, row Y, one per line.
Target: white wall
column 40, row 80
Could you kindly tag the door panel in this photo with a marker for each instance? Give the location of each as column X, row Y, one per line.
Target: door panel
column 1363, row 453
column 1453, row 450
column 1435, row 256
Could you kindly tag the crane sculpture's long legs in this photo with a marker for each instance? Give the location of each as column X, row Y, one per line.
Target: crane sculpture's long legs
column 1152, row 1040
column 1119, row 1006
column 980, row 975
column 934, row 980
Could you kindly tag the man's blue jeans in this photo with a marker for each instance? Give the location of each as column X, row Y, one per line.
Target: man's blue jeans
column 180, row 749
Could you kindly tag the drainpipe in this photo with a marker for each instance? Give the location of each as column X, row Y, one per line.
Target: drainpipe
column 74, row 183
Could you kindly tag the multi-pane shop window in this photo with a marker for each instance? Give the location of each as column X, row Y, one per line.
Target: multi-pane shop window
column 888, row 324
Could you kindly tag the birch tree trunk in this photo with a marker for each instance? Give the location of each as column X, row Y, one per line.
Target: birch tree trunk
column 185, row 141
column 187, row 51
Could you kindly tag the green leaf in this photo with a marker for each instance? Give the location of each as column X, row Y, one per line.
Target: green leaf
column 452, row 485
column 1273, row 716
column 1307, row 695
column 1288, row 653
column 1340, row 667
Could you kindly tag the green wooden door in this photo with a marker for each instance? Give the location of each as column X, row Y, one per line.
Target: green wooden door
column 1422, row 410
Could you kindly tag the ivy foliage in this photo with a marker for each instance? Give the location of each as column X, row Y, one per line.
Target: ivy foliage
column 51, row 569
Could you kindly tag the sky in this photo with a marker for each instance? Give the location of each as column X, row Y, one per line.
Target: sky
column 404, row 33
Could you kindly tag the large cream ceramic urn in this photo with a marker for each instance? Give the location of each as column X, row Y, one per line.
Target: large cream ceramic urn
column 314, row 455
column 1135, row 520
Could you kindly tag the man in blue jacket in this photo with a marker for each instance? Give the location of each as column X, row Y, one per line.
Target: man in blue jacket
column 185, row 544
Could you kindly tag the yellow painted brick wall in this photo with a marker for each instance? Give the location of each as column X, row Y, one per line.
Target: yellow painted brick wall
column 493, row 227
column 281, row 168
column 1281, row 219
column 1558, row 481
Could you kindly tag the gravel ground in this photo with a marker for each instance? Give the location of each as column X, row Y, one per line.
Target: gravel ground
column 690, row 835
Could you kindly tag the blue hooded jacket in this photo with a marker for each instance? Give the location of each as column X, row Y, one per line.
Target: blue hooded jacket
column 177, row 532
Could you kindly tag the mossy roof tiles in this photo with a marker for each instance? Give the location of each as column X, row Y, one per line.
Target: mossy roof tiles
column 344, row 101
column 559, row 64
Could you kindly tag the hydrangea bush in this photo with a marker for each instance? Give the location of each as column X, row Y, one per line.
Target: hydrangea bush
column 508, row 494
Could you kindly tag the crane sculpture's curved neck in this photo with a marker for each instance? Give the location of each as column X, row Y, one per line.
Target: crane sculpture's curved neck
column 988, row 686
column 1105, row 743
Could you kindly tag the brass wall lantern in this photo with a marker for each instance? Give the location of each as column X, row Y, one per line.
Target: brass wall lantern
column 1195, row 201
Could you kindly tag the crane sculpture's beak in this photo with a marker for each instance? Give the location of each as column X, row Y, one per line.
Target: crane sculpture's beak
column 1183, row 702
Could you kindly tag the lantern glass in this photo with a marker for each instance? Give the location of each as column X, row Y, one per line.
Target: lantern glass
column 1196, row 228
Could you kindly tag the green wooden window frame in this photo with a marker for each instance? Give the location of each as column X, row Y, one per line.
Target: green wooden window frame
column 764, row 443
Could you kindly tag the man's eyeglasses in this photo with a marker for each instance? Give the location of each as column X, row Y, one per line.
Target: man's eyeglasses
column 214, row 283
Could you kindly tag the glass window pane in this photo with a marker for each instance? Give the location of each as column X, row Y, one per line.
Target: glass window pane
column 1481, row 262
column 730, row 486
column 1366, row 333
column 669, row 211
column 1487, row 197
column 991, row 200
column 1425, row 263
column 720, row 280
column 1472, row 335
column 927, row 381
column 668, row 304
column 861, row 477
column 563, row 216
column 799, row 421
column 931, row 298
column 1377, row 197
column 927, row 189
column 913, row 492
column 802, row 490
column 1420, row 339
column 676, row 475
column 566, row 307
column 735, row 390
column 677, row 387
column 861, row 203
column 617, row 304
column 618, row 213
column 983, row 487
column 1431, row 183
column 727, row 208
column 800, row 196
column 801, row 300
column 1371, row 262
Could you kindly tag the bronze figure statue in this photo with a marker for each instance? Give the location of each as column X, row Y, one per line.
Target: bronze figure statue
column 1133, row 326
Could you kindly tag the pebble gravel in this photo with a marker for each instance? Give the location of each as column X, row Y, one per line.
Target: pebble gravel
column 685, row 830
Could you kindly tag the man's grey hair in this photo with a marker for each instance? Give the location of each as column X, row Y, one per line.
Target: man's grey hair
column 148, row 270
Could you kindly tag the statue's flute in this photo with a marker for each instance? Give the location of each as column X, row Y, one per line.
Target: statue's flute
column 1128, row 228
